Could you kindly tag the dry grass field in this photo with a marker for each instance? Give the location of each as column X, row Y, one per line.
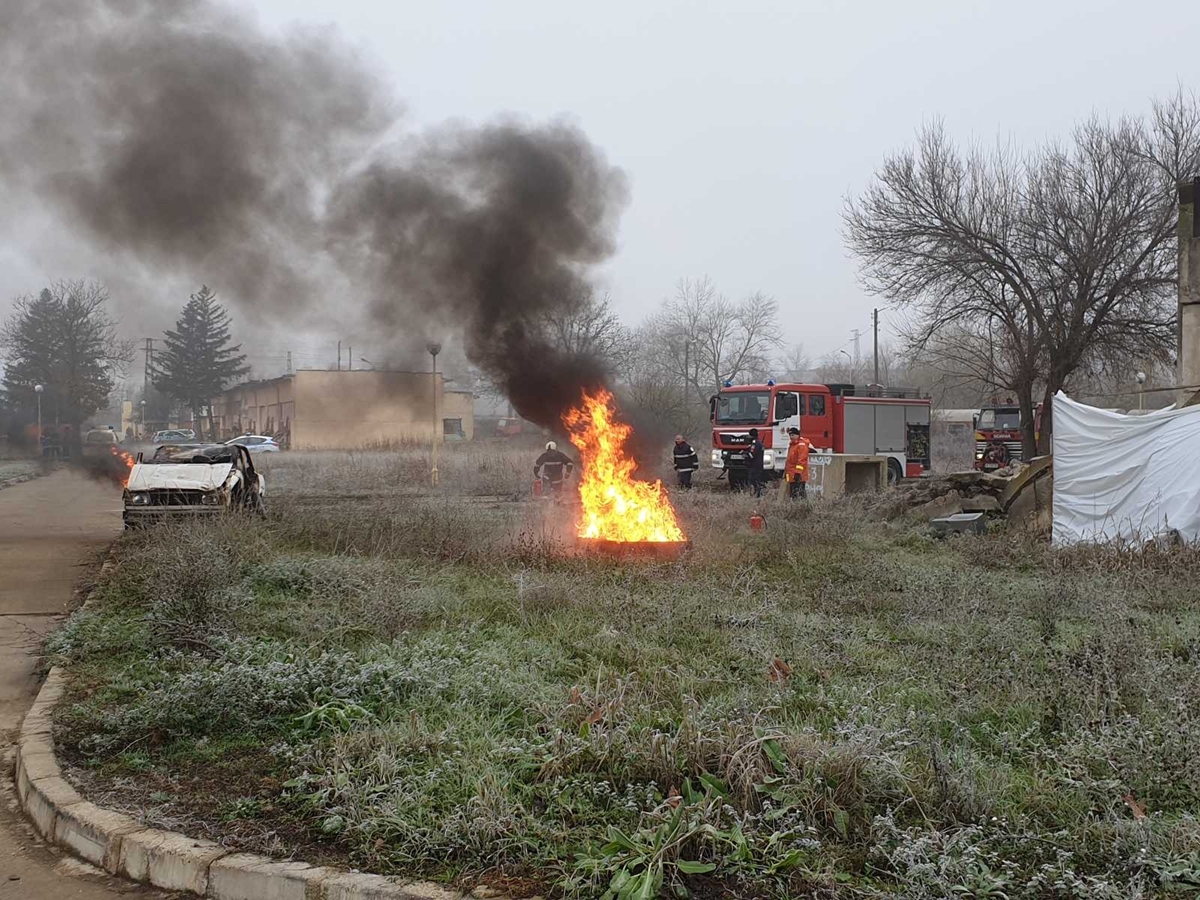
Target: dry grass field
column 438, row 682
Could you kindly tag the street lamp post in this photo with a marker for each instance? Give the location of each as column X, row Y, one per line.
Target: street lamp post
column 1141, row 380
column 143, row 435
column 434, row 349
column 850, row 360
column 37, row 389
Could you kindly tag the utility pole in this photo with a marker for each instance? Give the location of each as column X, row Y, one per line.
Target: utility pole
column 289, row 361
column 857, row 332
column 350, row 356
column 875, row 324
column 339, row 368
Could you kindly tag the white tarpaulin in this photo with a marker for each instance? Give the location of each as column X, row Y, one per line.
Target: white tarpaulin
column 1125, row 477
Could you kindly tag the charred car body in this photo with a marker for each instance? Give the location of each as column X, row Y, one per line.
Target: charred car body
column 185, row 480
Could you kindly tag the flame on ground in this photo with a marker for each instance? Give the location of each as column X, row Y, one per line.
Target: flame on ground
column 616, row 506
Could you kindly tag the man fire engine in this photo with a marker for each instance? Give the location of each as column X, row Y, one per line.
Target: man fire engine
column 835, row 418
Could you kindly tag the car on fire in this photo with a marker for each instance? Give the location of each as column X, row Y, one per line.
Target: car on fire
column 188, row 480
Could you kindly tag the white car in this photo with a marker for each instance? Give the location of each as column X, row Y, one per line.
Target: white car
column 189, row 480
column 256, row 443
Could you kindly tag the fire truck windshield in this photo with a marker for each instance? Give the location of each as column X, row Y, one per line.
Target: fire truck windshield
column 1000, row 419
column 743, row 408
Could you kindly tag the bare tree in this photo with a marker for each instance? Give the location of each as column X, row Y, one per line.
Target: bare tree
column 1064, row 255
column 794, row 364
column 589, row 327
column 706, row 340
column 839, row 367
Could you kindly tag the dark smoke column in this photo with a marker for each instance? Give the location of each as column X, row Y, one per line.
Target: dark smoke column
column 489, row 229
column 198, row 146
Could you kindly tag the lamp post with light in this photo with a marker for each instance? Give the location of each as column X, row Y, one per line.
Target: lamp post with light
column 1141, row 380
column 143, row 419
column 434, row 349
column 37, row 389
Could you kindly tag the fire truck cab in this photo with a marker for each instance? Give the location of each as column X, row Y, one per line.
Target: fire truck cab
column 998, row 434
column 836, row 418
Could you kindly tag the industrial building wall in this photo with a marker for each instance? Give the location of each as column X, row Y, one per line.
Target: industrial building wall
column 260, row 407
column 344, row 410
column 459, row 406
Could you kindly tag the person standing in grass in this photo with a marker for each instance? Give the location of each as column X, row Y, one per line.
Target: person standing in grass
column 756, row 472
column 686, row 462
column 796, row 468
column 553, row 467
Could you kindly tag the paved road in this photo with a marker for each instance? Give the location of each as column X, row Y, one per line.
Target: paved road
column 51, row 529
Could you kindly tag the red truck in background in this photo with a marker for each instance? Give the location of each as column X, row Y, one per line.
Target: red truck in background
column 837, row 418
column 998, row 434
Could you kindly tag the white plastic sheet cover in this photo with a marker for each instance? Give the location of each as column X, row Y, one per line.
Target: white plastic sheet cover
column 1130, row 478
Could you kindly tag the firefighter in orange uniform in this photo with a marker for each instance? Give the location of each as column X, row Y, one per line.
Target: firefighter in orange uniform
column 796, row 468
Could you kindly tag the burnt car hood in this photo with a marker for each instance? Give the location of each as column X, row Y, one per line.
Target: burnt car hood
column 183, row 477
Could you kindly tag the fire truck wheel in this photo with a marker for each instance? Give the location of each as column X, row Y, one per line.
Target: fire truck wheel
column 895, row 473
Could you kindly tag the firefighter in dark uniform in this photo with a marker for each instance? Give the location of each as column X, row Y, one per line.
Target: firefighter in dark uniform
column 553, row 467
column 757, row 473
column 686, row 462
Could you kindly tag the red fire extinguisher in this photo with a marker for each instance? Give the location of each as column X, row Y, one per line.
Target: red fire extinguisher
column 537, row 487
column 757, row 522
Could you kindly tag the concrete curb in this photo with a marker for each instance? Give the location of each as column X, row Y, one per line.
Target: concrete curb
column 123, row 846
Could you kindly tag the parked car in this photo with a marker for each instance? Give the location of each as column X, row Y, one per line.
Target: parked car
column 184, row 480
column 256, row 443
column 173, row 436
column 100, row 441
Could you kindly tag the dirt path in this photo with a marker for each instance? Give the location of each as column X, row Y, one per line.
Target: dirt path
column 50, row 529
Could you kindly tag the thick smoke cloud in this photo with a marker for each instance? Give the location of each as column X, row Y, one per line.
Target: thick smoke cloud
column 177, row 134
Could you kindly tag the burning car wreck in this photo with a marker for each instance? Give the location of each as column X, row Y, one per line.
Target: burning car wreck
column 184, row 480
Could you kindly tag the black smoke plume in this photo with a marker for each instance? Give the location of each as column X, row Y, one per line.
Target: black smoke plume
column 178, row 135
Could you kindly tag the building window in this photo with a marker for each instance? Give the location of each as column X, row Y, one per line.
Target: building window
column 452, row 427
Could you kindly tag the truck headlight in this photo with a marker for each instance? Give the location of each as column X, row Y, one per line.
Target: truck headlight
column 768, row 457
column 139, row 498
column 211, row 498
column 716, row 457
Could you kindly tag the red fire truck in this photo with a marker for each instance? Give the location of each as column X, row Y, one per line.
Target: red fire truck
column 998, row 434
column 839, row 418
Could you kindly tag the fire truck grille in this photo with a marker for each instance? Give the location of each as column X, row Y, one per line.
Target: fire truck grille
column 1013, row 448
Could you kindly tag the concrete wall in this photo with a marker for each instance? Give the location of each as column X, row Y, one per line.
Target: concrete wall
column 1189, row 292
column 460, row 405
column 336, row 410
column 259, row 407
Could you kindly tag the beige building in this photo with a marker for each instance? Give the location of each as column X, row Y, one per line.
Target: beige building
column 325, row 410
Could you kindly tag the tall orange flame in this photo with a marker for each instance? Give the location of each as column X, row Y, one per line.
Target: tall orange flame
column 616, row 506
column 125, row 459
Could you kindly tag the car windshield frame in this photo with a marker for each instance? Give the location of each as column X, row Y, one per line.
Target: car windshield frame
column 733, row 407
column 1000, row 419
column 192, row 454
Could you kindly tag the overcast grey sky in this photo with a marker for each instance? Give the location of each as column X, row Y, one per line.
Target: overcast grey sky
column 742, row 126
